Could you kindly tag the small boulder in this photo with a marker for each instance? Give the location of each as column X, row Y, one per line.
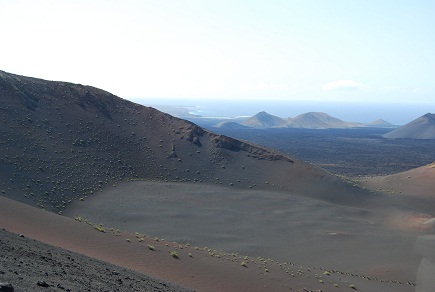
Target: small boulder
column 42, row 284
column 6, row 287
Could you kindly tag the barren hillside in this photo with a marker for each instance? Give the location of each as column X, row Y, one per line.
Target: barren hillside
column 63, row 141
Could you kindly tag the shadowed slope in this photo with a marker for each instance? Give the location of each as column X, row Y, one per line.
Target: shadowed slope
column 63, row 141
column 57, row 269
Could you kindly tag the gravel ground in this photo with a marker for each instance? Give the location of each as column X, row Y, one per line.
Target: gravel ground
column 30, row 265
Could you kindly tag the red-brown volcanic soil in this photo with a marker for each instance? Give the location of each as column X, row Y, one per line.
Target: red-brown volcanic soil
column 415, row 187
column 276, row 225
column 81, row 151
column 269, row 224
column 206, row 269
column 418, row 182
column 30, row 265
column 201, row 272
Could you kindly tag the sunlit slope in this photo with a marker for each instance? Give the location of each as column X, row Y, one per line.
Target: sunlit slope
column 420, row 128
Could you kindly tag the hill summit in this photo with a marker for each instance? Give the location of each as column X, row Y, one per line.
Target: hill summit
column 420, row 128
column 380, row 123
column 264, row 120
column 318, row 120
column 310, row 120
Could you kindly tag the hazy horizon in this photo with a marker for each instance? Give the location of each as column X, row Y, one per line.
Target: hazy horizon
column 298, row 51
column 395, row 113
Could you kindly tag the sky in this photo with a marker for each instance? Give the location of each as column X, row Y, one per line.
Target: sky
column 367, row 51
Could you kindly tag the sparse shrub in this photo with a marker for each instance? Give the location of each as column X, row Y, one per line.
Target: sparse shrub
column 100, row 228
column 150, row 247
column 174, row 254
column 243, row 264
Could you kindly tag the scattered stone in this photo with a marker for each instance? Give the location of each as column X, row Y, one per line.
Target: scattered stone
column 42, row 284
column 60, row 286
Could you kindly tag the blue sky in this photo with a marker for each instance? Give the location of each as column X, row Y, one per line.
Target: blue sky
column 336, row 50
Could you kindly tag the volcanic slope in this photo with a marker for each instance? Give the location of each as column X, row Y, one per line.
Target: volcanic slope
column 63, row 141
column 317, row 120
column 310, row 120
column 380, row 123
column 420, row 128
column 416, row 183
column 264, row 120
column 230, row 125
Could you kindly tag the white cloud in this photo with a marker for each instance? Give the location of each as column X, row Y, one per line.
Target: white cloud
column 346, row 85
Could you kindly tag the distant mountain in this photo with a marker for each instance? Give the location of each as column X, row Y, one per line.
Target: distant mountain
column 318, row 120
column 229, row 125
column 420, row 128
column 264, row 120
column 379, row 124
column 310, row 120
